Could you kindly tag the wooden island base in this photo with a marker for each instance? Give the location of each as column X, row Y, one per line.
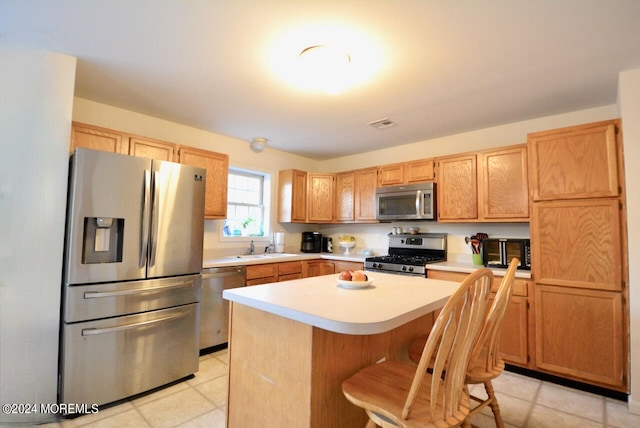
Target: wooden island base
column 284, row 373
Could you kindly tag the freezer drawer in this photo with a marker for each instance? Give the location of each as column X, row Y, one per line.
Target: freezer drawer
column 94, row 301
column 108, row 360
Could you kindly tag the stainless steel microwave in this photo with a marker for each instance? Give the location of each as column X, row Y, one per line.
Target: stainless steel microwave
column 406, row 202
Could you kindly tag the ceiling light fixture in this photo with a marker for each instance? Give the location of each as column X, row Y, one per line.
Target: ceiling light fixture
column 324, row 68
column 258, row 144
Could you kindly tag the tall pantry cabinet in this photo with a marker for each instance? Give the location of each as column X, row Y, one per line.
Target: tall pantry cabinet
column 578, row 236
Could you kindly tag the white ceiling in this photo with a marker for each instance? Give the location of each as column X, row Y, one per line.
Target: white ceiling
column 447, row 66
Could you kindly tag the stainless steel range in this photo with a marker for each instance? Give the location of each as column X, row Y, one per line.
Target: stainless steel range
column 409, row 253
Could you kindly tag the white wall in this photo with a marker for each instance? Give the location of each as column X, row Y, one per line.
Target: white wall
column 497, row 136
column 36, row 98
column 629, row 103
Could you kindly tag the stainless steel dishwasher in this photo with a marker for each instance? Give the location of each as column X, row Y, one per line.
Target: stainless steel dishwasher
column 214, row 310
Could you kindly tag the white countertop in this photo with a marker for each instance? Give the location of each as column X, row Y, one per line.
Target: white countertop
column 276, row 258
column 470, row 267
column 391, row 301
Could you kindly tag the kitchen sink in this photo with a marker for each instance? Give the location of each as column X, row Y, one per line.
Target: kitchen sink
column 263, row 256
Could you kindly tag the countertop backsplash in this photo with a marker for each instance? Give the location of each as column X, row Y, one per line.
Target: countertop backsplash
column 369, row 236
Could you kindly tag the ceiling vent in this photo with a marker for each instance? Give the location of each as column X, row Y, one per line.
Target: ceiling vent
column 382, row 123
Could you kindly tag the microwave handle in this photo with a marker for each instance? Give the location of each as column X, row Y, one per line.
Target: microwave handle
column 503, row 253
column 419, row 203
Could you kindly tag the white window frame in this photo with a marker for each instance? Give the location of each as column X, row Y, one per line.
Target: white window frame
column 266, row 203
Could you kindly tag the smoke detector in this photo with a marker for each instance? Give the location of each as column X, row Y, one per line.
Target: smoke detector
column 382, row 123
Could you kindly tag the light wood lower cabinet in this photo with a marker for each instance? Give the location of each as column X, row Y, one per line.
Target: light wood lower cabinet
column 261, row 274
column 289, row 270
column 267, row 273
column 580, row 333
column 514, row 338
column 340, row 265
column 317, row 267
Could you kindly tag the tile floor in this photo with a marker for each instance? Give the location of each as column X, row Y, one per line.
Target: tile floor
column 200, row 402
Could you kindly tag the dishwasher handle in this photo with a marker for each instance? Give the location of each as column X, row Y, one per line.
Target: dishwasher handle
column 223, row 272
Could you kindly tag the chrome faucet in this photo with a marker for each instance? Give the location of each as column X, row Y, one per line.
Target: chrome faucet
column 252, row 248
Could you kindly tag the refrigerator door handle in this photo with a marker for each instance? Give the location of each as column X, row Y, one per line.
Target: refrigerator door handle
column 173, row 285
column 144, row 238
column 154, row 220
column 123, row 327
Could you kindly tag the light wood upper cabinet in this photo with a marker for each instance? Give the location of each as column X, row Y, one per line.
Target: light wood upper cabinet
column 407, row 172
column 292, row 196
column 581, row 334
column 345, row 195
column 217, row 166
column 419, row 171
column 94, row 137
column 152, row 149
column 457, row 190
column 365, row 194
column 391, row 175
column 490, row 186
column 577, row 243
column 575, row 162
column 504, row 184
column 320, row 197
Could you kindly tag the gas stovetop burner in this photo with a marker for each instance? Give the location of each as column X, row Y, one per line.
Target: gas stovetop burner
column 408, row 254
column 406, row 260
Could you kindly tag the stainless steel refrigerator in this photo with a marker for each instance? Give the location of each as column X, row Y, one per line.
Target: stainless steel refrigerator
column 132, row 284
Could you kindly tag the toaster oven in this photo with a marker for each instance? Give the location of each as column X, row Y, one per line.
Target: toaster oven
column 498, row 252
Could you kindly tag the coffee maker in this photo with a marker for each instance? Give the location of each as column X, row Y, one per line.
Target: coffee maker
column 311, row 242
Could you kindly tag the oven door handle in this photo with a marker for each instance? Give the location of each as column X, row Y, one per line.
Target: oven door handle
column 173, row 285
column 125, row 327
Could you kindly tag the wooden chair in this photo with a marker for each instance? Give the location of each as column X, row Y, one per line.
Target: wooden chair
column 399, row 394
column 485, row 363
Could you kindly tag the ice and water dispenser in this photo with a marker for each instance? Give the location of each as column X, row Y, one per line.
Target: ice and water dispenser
column 102, row 240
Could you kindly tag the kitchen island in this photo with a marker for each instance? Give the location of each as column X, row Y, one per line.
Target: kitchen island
column 292, row 344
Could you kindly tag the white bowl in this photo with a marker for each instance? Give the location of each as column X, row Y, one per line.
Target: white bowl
column 355, row 284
